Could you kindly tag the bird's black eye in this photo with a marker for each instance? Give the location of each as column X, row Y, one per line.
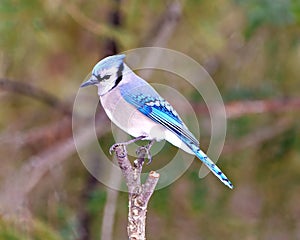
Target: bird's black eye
column 106, row 77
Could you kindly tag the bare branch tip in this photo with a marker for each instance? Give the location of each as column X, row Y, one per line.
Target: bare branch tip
column 154, row 174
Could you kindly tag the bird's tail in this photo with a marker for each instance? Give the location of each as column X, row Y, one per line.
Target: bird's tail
column 212, row 167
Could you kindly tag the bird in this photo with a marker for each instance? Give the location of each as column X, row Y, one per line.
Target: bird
column 135, row 106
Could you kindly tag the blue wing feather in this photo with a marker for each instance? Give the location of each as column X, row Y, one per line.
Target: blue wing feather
column 148, row 102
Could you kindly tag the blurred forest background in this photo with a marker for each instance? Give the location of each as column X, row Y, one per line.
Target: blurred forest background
column 251, row 48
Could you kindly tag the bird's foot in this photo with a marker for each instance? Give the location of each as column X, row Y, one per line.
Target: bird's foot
column 114, row 146
column 145, row 150
column 142, row 151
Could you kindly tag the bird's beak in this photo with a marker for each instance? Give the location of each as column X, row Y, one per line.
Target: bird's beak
column 92, row 80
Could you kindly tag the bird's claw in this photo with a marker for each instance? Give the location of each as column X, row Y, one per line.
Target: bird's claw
column 142, row 151
column 113, row 148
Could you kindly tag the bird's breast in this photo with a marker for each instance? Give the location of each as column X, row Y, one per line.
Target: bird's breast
column 128, row 118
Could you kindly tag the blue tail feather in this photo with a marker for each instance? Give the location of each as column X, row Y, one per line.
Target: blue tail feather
column 212, row 167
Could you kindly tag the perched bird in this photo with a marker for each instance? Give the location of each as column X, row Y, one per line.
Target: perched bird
column 135, row 107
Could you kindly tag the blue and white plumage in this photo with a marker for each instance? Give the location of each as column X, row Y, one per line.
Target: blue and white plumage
column 135, row 107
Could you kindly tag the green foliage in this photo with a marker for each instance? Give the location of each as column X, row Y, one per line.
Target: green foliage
column 65, row 222
column 96, row 202
column 35, row 231
column 270, row 12
column 238, row 93
column 160, row 202
column 199, row 193
column 19, row 18
column 296, row 9
column 43, row 232
column 277, row 149
column 8, row 233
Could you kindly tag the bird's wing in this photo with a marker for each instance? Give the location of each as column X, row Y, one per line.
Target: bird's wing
column 148, row 102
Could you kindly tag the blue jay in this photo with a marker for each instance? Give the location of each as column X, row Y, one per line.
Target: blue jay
column 135, row 107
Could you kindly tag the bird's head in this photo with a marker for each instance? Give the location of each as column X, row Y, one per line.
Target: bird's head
column 106, row 74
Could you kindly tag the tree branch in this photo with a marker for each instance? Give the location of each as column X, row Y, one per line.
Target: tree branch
column 259, row 136
column 236, row 109
column 139, row 194
column 240, row 108
column 34, row 92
